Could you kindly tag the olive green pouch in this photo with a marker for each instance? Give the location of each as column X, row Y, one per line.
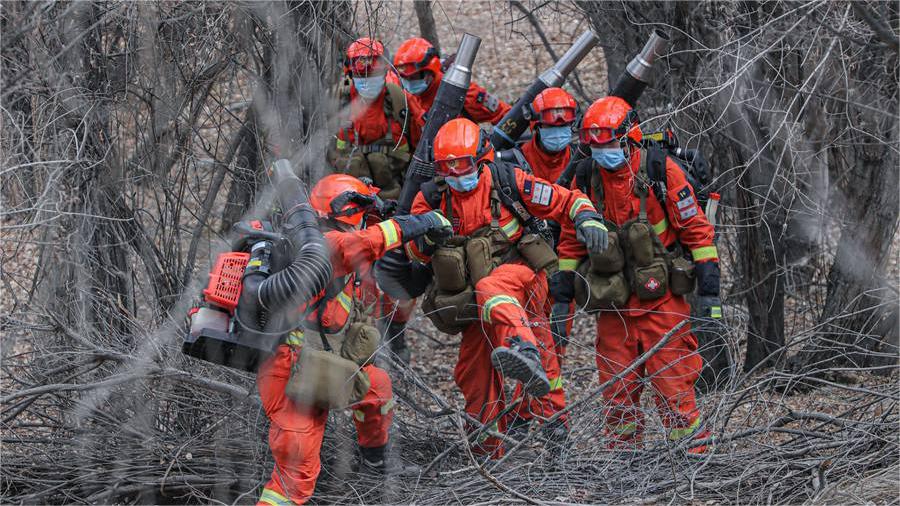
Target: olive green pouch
column 610, row 260
column 538, row 254
column 594, row 292
column 360, row 343
column 682, row 278
column 640, row 242
column 357, row 167
column 478, row 258
column 449, row 264
column 382, row 175
column 651, row 281
column 450, row 313
column 325, row 380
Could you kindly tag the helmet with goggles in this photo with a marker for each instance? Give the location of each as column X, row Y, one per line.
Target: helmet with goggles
column 416, row 55
column 343, row 198
column 460, row 146
column 553, row 107
column 364, row 57
column 610, row 119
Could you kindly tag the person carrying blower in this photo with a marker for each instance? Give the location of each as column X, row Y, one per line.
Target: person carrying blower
column 638, row 285
column 334, row 337
column 490, row 278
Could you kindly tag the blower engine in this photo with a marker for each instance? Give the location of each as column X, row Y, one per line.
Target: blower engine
column 256, row 292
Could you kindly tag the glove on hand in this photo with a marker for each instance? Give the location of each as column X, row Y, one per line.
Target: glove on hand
column 386, row 208
column 558, row 316
column 707, row 278
column 709, row 309
column 589, row 229
column 433, row 224
column 562, row 286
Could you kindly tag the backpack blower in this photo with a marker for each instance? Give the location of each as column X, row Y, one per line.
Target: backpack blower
column 255, row 292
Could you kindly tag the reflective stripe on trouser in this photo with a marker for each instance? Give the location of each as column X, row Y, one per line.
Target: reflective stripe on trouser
column 296, row 431
column 481, row 384
column 273, row 498
column 672, row 370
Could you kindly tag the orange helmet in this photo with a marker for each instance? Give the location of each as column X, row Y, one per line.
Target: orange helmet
column 460, row 146
column 554, row 107
column 364, row 57
column 343, row 198
column 416, row 55
column 608, row 119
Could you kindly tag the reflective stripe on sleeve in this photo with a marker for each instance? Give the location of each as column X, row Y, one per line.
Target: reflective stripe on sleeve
column 359, row 415
column 576, row 206
column 511, row 228
column 295, row 338
column 388, row 406
column 345, row 301
column 556, row 383
column 272, row 497
column 660, row 228
column 391, row 234
column 495, row 301
column 680, row 433
column 705, row 253
column 568, row 264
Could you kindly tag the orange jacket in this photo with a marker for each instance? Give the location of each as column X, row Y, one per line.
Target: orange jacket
column 368, row 122
column 352, row 255
column 472, row 210
column 683, row 220
column 545, row 165
column 478, row 106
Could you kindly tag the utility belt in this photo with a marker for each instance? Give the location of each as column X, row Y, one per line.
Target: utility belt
column 328, row 372
column 465, row 260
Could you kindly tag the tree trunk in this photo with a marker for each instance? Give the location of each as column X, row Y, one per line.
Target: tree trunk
column 426, row 23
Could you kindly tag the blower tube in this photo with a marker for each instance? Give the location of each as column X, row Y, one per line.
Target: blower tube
column 516, row 120
column 634, row 80
column 309, row 272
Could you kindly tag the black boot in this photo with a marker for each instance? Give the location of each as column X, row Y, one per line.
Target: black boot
column 375, row 461
column 396, row 335
column 522, row 362
column 557, row 436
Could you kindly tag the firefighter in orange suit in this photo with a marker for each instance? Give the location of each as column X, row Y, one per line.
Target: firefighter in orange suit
column 610, row 128
column 296, row 431
column 419, row 67
column 511, row 337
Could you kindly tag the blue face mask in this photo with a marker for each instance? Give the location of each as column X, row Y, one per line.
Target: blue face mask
column 369, row 87
column 608, row 158
column 463, row 184
column 555, row 138
column 414, row 86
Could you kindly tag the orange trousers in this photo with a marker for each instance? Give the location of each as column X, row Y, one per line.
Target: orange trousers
column 296, row 431
column 622, row 337
column 512, row 301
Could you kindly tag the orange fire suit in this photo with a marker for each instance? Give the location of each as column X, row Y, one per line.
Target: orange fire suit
column 545, row 165
column 511, row 299
column 296, row 431
column 480, row 106
column 624, row 334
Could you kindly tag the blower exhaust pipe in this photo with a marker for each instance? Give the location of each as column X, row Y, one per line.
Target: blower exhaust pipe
column 638, row 73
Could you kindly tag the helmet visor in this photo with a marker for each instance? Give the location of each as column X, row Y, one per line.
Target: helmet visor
column 597, row 135
column 455, row 166
column 367, row 66
column 557, row 116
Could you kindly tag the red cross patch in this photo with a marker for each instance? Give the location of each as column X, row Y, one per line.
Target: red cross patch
column 652, row 284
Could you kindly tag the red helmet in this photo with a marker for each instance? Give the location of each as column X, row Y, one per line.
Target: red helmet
column 364, row 57
column 343, row 198
column 416, row 55
column 460, row 146
column 608, row 119
column 553, row 106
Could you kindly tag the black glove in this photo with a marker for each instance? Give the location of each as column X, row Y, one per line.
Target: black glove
column 589, row 229
column 707, row 278
column 562, row 286
column 386, row 208
column 432, row 224
column 559, row 314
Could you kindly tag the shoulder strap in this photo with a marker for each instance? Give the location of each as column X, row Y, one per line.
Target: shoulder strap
column 521, row 161
column 395, row 102
column 503, row 175
column 653, row 158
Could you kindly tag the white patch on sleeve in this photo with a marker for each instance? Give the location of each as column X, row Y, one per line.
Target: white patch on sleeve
column 686, row 202
column 491, row 102
column 542, row 194
column 687, row 213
